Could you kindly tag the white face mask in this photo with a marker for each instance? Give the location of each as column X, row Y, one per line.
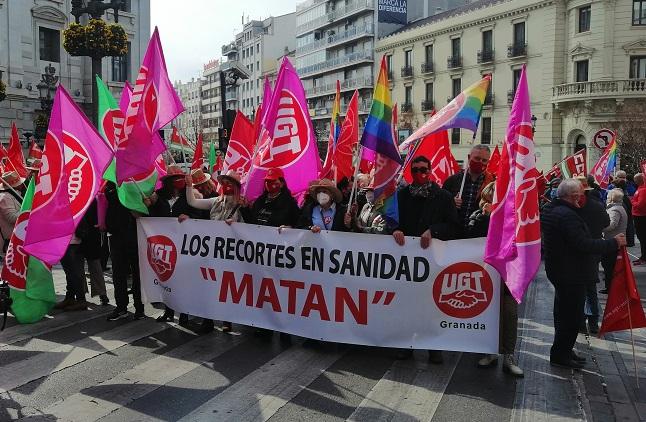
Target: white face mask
column 370, row 197
column 323, row 198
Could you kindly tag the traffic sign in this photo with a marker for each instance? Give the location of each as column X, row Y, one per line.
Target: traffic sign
column 602, row 138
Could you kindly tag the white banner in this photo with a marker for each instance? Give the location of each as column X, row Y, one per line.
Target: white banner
column 340, row 287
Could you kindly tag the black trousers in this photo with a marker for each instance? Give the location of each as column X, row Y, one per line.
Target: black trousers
column 640, row 231
column 608, row 263
column 73, row 265
column 125, row 262
column 568, row 317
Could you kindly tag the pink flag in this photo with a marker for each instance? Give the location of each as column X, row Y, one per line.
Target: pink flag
column 266, row 97
column 154, row 103
column 291, row 141
column 74, row 161
column 514, row 250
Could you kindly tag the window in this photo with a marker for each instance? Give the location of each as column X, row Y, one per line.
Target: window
column 456, row 87
column 639, row 12
column 49, row 44
column 408, row 58
column 257, row 48
column 455, row 47
column 408, row 95
column 251, row 68
column 121, row 67
column 455, row 136
column 258, row 66
column 487, row 41
column 428, row 54
column 389, row 65
column 638, row 67
column 428, row 95
column 519, row 34
column 584, row 19
column 582, row 71
column 516, row 78
column 486, row 130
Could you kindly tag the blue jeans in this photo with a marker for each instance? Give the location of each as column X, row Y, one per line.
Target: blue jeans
column 591, row 308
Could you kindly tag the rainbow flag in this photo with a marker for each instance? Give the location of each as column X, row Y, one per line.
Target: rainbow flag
column 463, row 112
column 378, row 133
column 606, row 164
column 336, row 110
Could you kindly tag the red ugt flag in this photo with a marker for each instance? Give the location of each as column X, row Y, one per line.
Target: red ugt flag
column 16, row 159
column 624, row 305
column 198, row 156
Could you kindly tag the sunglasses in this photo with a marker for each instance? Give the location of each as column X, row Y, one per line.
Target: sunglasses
column 419, row 170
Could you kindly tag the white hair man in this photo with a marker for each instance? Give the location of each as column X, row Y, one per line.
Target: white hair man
column 571, row 260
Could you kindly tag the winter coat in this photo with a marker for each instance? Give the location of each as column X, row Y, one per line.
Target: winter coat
column 119, row 220
column 162, row 208
column 280, row 211
column 436, row 212
column 595, row 216
column 639, row 202
column 478, row 224
column 618, row 220
column 570, row 252
column 305, row 220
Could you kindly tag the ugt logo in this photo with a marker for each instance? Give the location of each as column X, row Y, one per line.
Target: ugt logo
column 162, row 256
column 463, row 290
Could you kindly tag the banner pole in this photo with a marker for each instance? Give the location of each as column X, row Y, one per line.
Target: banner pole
column 11, row 189
column 143, row 195
column 464, row 179
column 632, row 339
column 354, row 179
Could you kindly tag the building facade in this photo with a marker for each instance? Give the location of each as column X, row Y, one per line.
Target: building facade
column 585, row 65
column 31, row 35
column 211, row 110
column 255, row 51
column 190, row 121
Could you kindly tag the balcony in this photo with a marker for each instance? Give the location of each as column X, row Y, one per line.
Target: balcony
column 427, row 105
column 231, row 48
column 485, row 56
column 407, row 72
column 326, row 112
column 454, row 62
column 333, row 39
column 516, row 50
column 406, row 108
column 613, row 89
column 335, row 14
column 488, row 101
column 331, row 64
column 427, row 68
column 347, row 85
column 511, row 94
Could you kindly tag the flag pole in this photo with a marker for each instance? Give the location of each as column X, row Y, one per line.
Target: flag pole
column 464, row 179
column 143, row 195
column 357, row 161
column 632, row 339
column 11, row 189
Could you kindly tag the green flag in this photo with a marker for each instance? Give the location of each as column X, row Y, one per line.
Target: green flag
column 30, row 280
column 111, row 120
column 212, row 157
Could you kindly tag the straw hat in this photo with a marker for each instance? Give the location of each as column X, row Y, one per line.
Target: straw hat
column 328, row 185
column 200, row 177
column 173, row 171
column 231, row 176
column 12, row 179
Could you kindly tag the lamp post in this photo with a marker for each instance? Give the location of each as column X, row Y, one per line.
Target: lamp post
column 228, row 77
column 46, row 86
column 96, row 9
column 534, row 119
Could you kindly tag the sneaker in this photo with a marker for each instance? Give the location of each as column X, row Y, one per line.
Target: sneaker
column 117, row 314
column 566, row 363
column 64, row 303
column 488, row 361
column 509, row 366
column 138, row 315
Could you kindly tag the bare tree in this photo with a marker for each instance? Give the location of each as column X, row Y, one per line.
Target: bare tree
column 631, row 135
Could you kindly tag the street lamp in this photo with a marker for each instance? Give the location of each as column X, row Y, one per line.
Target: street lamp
column 46, row 86
column 534, row 119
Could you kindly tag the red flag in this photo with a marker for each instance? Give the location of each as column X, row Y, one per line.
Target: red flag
column 624, row 308
column 257, row 124
column 34, row 151
column 348, row 139
column 436, row 148
column 177, row 140
column 241, row 146
column 16, row 159
column 329, row 155
column 494, row 162
column 198, row 156
column 571, row 166
column 218, row 164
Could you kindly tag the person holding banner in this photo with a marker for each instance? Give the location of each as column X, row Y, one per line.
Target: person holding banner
column 466, row 186
column 226, row 207
column 171, row 200
column 427, row 211
column 571, row 262
column 326, row 211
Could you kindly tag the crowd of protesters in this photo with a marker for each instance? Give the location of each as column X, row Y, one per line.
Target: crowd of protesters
column 581, row 224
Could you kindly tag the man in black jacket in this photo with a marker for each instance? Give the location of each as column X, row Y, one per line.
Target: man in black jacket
column 427, row 211
column 570, row 262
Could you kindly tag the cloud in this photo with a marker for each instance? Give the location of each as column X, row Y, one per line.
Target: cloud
column 194, row 31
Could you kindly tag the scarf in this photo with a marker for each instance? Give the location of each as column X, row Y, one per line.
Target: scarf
column 421, row 191
column 225, row 207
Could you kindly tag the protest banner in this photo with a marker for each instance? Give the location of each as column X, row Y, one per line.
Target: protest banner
column 331, row 286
